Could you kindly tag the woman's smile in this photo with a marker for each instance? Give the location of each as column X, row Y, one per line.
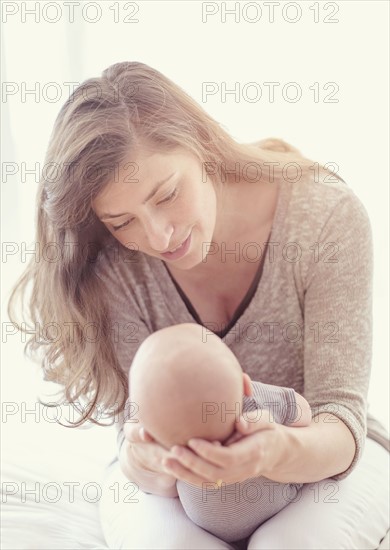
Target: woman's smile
column 180, row 251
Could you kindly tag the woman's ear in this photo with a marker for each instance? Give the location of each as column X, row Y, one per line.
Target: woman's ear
column 248, row 390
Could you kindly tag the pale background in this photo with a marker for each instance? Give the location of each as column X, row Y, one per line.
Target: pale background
column 171, row 37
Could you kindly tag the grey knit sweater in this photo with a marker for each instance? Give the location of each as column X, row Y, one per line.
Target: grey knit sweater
column 306, row 321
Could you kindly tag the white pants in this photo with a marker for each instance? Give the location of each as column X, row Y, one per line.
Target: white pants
column 349, row 514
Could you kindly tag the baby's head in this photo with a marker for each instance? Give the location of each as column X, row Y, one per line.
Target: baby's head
column 186, row 382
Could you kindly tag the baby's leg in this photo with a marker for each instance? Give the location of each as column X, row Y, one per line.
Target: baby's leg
column 232, row 512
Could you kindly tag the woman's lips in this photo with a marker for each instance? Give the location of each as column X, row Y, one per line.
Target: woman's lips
column 180, row 251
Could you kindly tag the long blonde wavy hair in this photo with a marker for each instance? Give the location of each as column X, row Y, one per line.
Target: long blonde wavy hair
column 95, row 130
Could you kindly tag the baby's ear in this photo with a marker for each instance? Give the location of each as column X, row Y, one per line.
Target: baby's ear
column 248, row 390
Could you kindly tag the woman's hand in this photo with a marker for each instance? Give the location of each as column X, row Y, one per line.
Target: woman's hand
column 141, row 459
column 257, row 447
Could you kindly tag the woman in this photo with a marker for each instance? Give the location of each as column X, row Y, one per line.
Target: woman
column 162, row 218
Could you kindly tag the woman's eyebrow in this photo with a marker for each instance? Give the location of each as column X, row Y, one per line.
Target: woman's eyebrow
column 107, row 215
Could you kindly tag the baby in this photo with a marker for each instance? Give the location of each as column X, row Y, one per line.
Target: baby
column 187, row 383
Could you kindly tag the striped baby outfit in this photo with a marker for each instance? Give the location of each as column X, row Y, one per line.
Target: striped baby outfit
column 232, row 512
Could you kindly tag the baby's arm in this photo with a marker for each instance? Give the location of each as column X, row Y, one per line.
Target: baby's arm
column 302, row 416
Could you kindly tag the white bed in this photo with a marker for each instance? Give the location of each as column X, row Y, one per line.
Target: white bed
column 36, row 452
column 45, row 524
column 54, row 461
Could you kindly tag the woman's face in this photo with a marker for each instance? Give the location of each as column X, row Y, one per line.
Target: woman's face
column 153, row 217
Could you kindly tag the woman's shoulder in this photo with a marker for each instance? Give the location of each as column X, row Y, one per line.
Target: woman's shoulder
column 323, row 192
column 330, row 202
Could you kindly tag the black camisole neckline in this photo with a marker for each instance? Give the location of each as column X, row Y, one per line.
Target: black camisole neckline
column 241, row 307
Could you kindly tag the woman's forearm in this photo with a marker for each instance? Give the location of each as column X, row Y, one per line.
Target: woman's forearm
column 162, row 485
column 315, row 452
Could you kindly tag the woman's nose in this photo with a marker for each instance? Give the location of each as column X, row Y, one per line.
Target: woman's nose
column 158, row 233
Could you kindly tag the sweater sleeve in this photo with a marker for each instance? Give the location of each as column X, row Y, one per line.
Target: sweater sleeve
column 338, row 321
column 128, row 329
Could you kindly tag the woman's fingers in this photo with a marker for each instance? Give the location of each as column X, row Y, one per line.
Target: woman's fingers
column 145, row 436
column 135, row 433
column 233, row 438
column 132, row 432
column 241, row 450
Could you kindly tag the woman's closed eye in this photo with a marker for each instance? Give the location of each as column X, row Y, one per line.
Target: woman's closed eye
column 117, row 227
column 126, row 223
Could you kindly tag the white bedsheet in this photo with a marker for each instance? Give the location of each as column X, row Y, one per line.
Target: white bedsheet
column 50, row 485
column 37, row 453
